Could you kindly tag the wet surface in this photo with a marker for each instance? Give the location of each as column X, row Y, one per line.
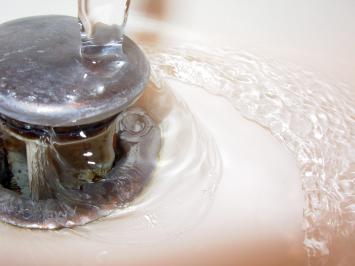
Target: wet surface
column 311, row 115
column 62, row 190
column 326, row 239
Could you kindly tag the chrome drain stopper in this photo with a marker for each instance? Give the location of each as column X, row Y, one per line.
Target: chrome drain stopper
column 72, row 149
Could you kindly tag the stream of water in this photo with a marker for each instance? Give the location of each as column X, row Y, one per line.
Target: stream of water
column 312, row 116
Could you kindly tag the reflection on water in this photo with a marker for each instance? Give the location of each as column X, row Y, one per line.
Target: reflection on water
column 184, row 182
column 314, row 118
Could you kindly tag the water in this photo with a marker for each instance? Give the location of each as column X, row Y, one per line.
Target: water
column 313, row 117
column 102, row 27
column 182, row 185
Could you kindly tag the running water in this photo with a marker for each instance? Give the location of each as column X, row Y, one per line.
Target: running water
column 102, row 27
column 313, row 117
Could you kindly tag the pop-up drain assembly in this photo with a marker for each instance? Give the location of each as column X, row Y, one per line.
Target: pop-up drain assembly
column 72, row 149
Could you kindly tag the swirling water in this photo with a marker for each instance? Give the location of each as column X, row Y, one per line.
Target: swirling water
column 313, row 117
column 184, row 183
column 181, row 189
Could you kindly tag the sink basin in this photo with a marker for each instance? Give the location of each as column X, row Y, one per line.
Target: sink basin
column 257, row 213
